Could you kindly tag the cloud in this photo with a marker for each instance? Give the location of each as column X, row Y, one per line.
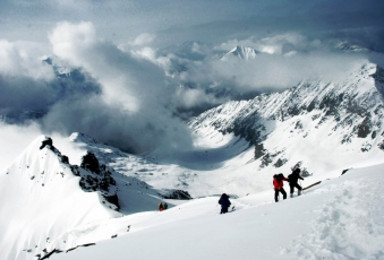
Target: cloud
column 92, row 86
column 122, row 77
column 176, row 21
column 278, row 61
column 134, row 65
column 23, row 58
column 133, row 110
column 14, row 139
column 279, row 72
column 143, row 39
column 30, row 84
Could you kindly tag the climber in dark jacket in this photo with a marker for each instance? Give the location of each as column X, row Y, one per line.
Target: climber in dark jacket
column 293, row 178
column 225, row 203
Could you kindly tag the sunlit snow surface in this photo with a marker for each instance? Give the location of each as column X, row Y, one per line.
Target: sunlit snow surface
column 338, row 219
column 341, row 218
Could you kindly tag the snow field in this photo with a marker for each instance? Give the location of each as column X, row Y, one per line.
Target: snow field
column 338, row 219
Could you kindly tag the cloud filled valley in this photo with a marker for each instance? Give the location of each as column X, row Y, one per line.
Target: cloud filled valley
column 129, row 94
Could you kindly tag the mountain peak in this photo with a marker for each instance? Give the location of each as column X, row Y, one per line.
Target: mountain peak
column 242, row 52
column 42, row 189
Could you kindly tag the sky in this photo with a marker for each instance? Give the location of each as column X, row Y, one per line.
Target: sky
column 129, row 72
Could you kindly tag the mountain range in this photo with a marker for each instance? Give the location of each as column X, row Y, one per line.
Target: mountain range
column 323, row 127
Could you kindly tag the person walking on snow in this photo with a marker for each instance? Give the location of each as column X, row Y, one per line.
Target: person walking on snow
column 278, row 185
column 293, row 178
column 225, row 203
column 161, row 207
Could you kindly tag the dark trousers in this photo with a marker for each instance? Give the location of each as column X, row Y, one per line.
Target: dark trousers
column 292, row 186
column 277, row 194
column 224, row 210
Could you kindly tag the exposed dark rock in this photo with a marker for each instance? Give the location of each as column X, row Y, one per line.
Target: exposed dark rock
column 366, row 147
column 90, row 162
column 344, row 171
column 298, row 125
column 280, row 162
column 303, row 171
column 364, row 128
column 47, row 142
column 176, row 195
column 381, row 145
column 47, row 254
column 259, row 151
column 64, row 159
column 379, row 79
column 96, row 177
column 85, row 245
column 266, row 160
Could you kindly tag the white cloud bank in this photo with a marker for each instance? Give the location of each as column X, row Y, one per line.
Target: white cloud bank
column 131, row 111
column 170, row 59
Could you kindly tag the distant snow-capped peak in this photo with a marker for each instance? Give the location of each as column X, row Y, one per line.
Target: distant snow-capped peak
column 241, row 52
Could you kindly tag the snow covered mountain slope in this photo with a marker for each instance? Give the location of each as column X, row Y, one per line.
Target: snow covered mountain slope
column 338, row 219
column 322, row 126
column 325, row 127
column 44, row 199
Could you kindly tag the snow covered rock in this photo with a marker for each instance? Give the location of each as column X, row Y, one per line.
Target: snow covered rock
column 44, row 203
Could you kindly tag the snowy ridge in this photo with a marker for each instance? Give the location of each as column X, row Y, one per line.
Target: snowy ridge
column 43, row 202
column 346, row 114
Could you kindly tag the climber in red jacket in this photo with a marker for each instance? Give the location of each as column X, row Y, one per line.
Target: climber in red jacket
column 278, row 185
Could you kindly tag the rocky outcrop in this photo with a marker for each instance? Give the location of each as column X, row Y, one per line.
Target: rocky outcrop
column 96, row 177
column 176, row 194
column 93, row 176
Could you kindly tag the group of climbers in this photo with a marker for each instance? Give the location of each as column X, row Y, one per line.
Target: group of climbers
column 278, row 184
column 292, row 179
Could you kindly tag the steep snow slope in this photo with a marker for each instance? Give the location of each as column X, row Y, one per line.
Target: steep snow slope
column 338, row 219
column 42, row 201
column 323, row 126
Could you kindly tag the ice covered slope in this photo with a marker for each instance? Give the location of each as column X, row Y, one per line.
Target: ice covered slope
column 42, row 202
column 321, row 125
column 338, row 219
